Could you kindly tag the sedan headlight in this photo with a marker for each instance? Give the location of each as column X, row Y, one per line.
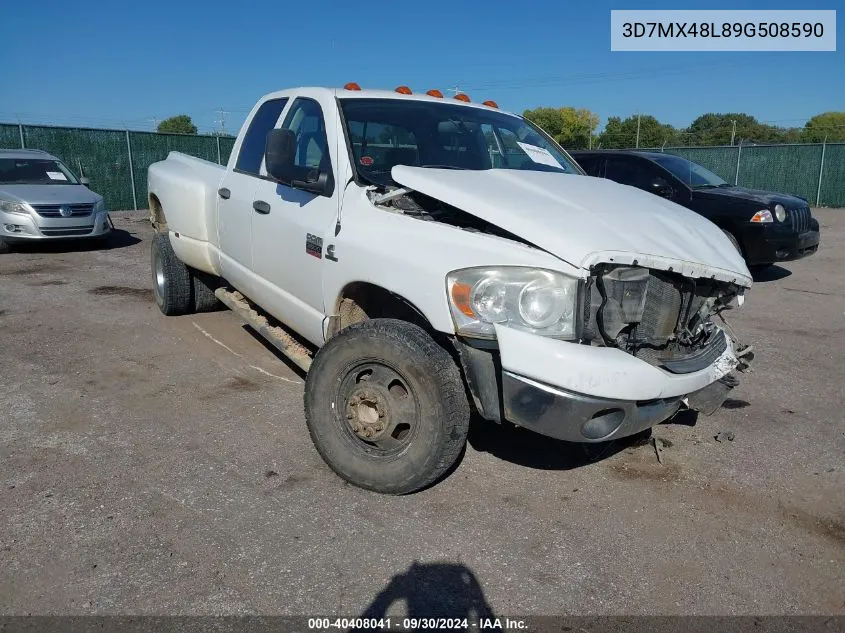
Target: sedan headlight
column 764, row 216
column 14, row 207
column 539, row 301
column 780, row 212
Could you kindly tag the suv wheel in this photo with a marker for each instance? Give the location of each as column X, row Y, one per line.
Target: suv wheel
column 386, row 406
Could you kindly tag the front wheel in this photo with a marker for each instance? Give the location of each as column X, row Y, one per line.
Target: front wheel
column 386, row 406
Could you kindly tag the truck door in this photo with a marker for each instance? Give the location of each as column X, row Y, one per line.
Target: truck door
column 293, row 229
column 236, row 195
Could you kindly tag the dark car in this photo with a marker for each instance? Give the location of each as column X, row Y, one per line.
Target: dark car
column 766, row 227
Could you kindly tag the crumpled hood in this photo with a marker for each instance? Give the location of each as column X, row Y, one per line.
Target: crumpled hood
column 585, row 220
column 49, row 194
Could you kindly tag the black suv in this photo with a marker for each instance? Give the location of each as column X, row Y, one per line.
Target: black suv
column 766, row 227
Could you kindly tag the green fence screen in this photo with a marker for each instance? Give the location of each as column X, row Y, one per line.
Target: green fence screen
column 815, row 172
column 116, row 161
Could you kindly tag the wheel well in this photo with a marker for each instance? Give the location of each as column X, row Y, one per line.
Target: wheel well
column 360, row 301
column 157, row 218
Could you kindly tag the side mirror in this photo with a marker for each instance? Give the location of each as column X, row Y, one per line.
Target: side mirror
column 279, row 158
column 662, row 188
column 84, row 181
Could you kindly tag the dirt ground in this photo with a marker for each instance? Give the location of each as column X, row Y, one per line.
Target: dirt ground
column 154, row 465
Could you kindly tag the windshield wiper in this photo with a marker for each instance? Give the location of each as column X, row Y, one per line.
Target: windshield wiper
column 443, row 167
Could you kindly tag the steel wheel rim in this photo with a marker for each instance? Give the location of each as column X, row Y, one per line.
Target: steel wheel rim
column 159, row 279
column 377, row 409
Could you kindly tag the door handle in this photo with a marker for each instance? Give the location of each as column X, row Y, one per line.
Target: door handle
column 261, row 207
column 224, row 193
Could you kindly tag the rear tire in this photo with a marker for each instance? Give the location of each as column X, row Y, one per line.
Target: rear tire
column 203, row 287
column 172, row 286
column 386, row 406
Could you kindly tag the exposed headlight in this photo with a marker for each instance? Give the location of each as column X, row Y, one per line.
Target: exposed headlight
column 780, row 212
column 539, row 301
column 762, row 216
column 14, row 207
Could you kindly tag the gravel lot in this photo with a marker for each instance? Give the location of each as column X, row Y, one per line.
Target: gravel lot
column 154, row 465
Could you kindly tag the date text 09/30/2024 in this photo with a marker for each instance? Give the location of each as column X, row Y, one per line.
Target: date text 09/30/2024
column 416, row 624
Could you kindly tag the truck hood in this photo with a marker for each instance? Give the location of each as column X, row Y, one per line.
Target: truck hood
column 49, row 194
column 584, row 220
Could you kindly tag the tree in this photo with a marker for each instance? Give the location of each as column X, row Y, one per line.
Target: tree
column 179, row 124
column 827, row 125
column 620, row 132
column 570, row 127
column 718, row 129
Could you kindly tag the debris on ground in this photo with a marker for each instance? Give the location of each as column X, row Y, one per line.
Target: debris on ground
column 724, row 436
column 659, row 446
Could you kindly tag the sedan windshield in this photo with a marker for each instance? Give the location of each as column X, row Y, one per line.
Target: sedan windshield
column 389, row 132
column 38, row 171
column 691, row 174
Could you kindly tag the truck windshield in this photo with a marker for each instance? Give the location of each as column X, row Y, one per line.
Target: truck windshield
column 389, row 132
column 29, row 171
column 689, row 173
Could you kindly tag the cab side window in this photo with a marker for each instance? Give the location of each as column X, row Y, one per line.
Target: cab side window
column 628, row 170
column 305, row 120
column 590, row 163
column 255, row 139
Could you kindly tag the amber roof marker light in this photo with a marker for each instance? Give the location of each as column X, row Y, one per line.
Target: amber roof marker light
column 404, row 90
column 351, row 86
column 491, row 104
column 434, row 92
column 462, row 97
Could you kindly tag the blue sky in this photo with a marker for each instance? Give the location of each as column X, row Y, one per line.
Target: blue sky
column 115, row 64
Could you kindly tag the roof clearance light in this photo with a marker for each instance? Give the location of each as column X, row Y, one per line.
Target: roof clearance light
column 491, row 104
column 352, row 86
column 462, row 97
column 404, row 90
column 434, row 92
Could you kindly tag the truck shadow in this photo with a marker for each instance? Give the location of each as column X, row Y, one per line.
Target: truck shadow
column 431, row 590
column 532, row 450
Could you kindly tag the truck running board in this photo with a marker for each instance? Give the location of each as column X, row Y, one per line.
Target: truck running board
column 275, row 335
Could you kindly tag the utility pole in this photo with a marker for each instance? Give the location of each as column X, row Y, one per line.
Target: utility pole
column 733, row 133
column 637, row 142
column 221, row 121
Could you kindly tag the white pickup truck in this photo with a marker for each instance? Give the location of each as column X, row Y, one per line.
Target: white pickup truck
column 444, row 258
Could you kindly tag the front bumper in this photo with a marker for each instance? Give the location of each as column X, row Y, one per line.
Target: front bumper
column 582, row 393
column 768, row 245
column 17, row 227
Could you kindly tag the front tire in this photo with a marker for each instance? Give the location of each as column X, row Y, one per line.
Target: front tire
column 386, row 407
column 172, row 284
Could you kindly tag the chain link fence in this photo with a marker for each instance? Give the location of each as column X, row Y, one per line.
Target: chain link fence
column 813, row 171
column 115, row 161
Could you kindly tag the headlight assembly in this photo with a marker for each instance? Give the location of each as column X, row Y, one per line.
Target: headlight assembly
column 13, row 207
column 780, row 212
column 100, row 205
column 539, row 301
column 762, row 217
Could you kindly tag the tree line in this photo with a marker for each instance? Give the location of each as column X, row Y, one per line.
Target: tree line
column 575, row 128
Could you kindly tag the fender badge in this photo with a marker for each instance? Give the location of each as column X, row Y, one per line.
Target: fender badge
column 314, row 246
column 330, row 253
